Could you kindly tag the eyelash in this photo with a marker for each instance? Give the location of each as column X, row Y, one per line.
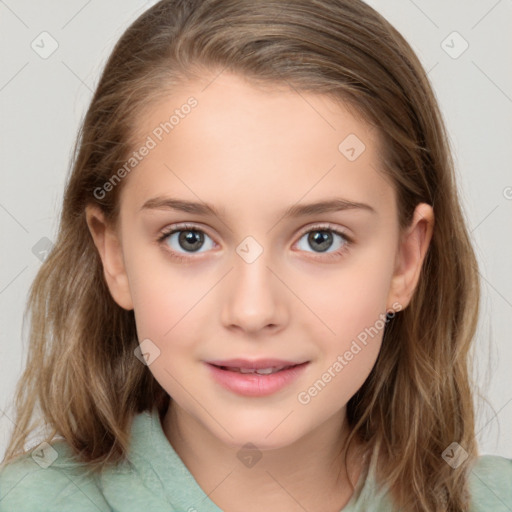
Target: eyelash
column 321, row 227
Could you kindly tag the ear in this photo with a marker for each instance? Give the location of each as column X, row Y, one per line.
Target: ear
column 109, row 247
column 413, row 245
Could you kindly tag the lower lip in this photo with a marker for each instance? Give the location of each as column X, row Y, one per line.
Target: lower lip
column 253, row 384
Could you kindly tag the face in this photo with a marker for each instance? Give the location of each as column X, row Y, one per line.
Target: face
column 260, row 276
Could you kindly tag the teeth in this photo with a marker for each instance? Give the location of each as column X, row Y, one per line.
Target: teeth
column 268, row 371
column 244, row 370
column 260, row 371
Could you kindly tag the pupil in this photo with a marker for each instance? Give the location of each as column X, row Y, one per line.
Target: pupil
column 191, row 237
column 323, row 238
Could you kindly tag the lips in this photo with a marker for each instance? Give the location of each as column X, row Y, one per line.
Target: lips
column 259, row 371
column 249, row 366
column 255, row 378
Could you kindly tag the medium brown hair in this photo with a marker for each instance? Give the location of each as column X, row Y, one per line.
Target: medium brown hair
column 81, row 369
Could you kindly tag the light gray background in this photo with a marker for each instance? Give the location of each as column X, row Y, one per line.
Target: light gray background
column 43, row 100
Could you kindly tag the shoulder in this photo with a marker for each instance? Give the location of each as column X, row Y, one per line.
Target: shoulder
column 491, row 484
column 49, row 479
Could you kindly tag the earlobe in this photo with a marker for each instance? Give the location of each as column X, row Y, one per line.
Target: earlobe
column 109, row 247
column 412, row 250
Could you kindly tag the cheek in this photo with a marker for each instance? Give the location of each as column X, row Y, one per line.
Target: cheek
column 350, row 300
column 351, row 310
column 166, row 311
column 164, row 305
column 163, row 292
column 347, row 350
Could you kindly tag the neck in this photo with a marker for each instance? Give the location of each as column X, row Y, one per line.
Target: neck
column 309, row 474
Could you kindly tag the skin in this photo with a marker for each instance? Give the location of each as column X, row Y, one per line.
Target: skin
column 252, row 152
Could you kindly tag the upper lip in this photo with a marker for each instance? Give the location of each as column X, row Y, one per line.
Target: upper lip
column 255, row 364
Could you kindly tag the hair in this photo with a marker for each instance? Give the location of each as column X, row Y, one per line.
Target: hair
column 81, row 370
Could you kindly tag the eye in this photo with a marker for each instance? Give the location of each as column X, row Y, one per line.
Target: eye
column 322, row 238
column 183, row 240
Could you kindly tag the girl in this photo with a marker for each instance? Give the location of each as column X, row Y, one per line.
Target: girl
column 254, row 370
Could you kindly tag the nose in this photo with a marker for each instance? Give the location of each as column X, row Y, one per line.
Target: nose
column 254, row 297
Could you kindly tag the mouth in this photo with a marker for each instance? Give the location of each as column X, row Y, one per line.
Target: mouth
column 256, row 379
column 260, row 371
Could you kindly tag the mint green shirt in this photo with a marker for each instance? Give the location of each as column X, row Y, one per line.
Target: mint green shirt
column 155, row 479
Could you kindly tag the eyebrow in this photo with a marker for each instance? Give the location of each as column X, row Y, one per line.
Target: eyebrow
column 296, row 210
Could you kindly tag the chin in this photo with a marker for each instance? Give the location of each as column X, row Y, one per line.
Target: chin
column 264, row 437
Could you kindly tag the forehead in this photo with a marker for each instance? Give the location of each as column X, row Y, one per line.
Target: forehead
column 228, row 138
